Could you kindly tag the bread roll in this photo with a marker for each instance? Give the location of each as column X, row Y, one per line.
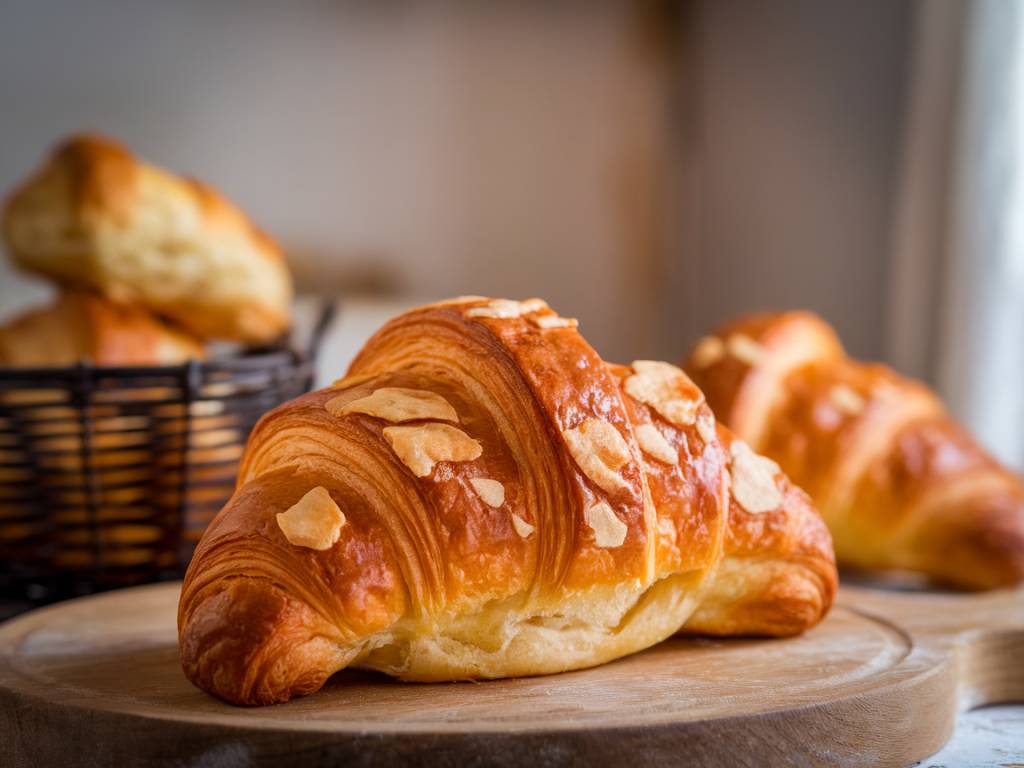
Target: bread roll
column 95, row 216
column 83, row 326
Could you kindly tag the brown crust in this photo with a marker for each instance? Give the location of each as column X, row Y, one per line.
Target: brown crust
column 95, row 216
column 102, row 174
column 427, row 581
column 901, row 485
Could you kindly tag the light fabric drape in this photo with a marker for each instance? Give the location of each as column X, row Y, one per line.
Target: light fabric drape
column 957, row 292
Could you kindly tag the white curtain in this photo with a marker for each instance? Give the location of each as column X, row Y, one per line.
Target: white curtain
column 957, row 291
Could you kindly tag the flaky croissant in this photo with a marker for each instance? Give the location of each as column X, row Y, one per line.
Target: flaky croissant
column 900, row 484
column 482, row 496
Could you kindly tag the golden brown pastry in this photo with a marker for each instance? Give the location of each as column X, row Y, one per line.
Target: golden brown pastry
column 95, row 216
column 82, row 326
column 900, row 484
column 482, row 496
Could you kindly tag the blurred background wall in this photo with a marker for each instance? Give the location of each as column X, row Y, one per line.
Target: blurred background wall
column 433, row 149
column 420, row 149
column 649, row 167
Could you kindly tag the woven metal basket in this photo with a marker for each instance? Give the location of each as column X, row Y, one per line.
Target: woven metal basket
column 109, row 475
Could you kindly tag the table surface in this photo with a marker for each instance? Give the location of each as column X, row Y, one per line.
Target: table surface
column 989, row 736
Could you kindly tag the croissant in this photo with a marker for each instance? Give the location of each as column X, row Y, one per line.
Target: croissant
column 900, row 484
column 482, row 496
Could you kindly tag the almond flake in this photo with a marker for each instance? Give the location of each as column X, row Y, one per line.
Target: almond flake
column 533, row 305
column 314, row 521
column 609, row 531
column 490, row 491
column 654, row 444
column 600, row 451
column 846, row 399
column 458, row 300
column 396, row 404
column 421, row 447
column 523, row 528
column 744, row 349
column 753, row 480
column 666, row 389
column 505, row 308
column 709, row 350
column 553, row 321
column 706, row 427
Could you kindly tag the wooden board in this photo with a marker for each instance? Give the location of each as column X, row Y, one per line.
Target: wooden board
column 96, row 681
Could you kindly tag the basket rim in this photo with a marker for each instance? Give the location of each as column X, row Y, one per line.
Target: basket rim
column 243, row 362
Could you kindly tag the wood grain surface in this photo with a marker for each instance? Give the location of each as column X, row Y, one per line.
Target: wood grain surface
column 96, row 681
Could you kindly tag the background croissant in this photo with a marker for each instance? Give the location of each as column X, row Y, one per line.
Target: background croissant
column 899, row 483
column 482, row 496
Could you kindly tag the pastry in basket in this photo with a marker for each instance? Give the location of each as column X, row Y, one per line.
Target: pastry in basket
column 84, row 326
column 482, row 496
column 95, row 216
column 118, row 503
column 899, row 482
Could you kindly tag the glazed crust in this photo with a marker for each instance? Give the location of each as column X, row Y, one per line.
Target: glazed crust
column 605, row 538
column 95, row 216
column 82, row 326
column 900, row 484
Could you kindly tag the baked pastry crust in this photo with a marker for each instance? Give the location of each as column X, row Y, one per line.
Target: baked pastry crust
column 95, row 216
column 482, row 496
column 899, row 482
column 82, row 326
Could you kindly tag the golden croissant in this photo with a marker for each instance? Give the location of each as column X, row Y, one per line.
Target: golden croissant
column 482, row 496
column 900, row 484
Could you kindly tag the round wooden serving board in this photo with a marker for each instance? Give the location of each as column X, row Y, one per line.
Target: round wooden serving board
column 96, row 681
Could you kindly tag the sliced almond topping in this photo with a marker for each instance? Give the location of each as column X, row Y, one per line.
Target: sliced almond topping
column 458, row 300
column 396, row 404
column 600, row 451
column 846, row 399
column 753, row 480
column 314, row 521
column 706, row 427
column 666, row 389
column 553, row 321
column 744, row 348
column 523, row 528
column 709, row 350
column 422, row 446
column 504, row 308
column 609, row 531
column 490, row 491
column 654, row 444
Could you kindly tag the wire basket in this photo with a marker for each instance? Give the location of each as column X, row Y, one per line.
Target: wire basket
column 109, row 475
